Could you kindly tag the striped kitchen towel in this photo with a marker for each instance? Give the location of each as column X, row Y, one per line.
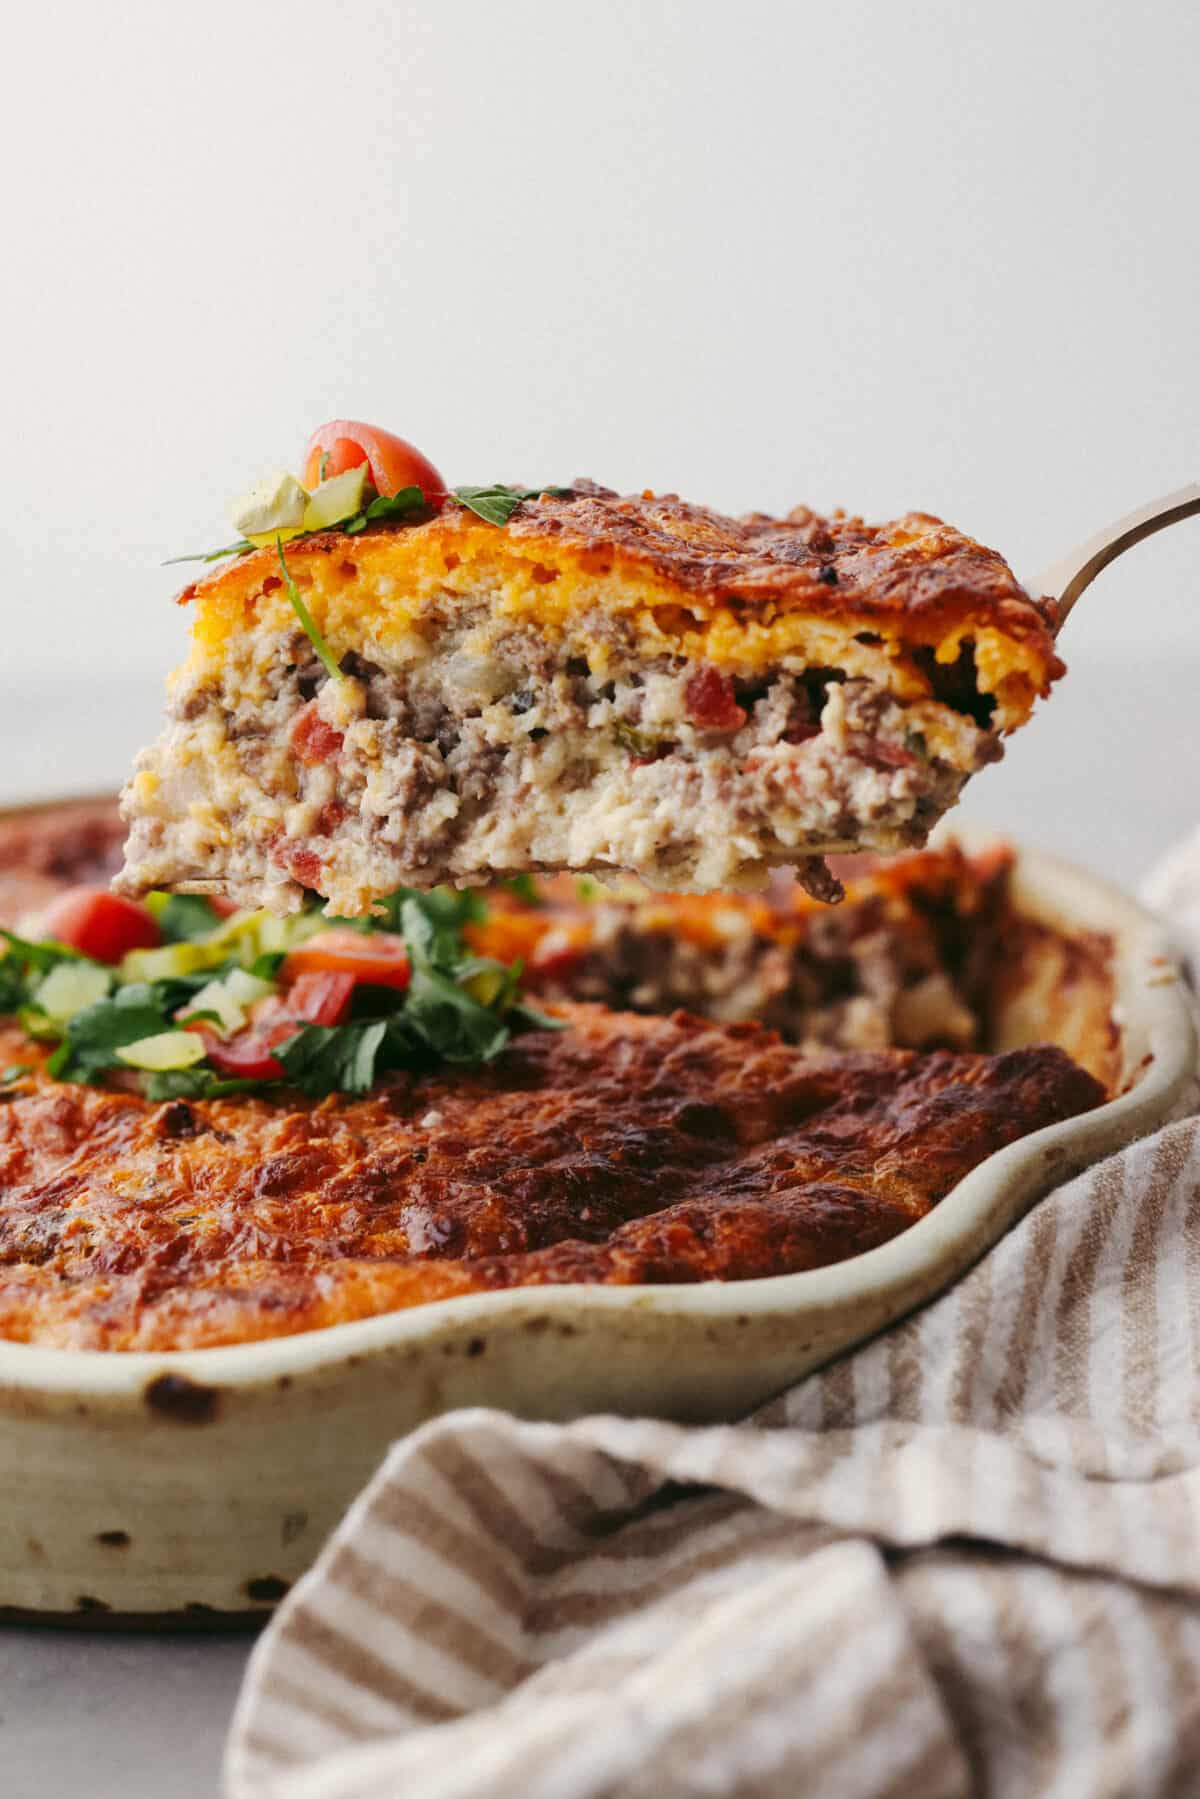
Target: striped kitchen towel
column 964, row 1559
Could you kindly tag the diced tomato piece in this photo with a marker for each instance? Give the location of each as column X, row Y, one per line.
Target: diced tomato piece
column 100, row 924
column 377, row 959
column 711, row 701
column 393, row 462
column 331, row 815
column 312, row 739
column 322, row 998
column 301, row 862
column 246, row 1057
column 559, row 951
column 877, row 752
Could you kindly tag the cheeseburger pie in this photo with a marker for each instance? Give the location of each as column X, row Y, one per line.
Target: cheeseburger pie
column 455, row 686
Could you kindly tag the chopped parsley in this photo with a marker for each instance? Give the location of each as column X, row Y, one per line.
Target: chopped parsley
column 524, row 888
column 497, row 504
column 94, row 1035
column 239, row 548
column 408, row 505
column 325, row 655
column 186, row 917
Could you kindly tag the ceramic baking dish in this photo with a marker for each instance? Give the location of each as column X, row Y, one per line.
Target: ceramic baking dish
column 203, row 1482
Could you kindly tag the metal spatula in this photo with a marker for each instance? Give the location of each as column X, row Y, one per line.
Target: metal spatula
column 1065, row 580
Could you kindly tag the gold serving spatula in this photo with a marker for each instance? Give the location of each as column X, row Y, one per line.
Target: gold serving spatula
column 1065, row 580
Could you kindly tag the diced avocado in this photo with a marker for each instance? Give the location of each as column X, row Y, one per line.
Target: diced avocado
column 249, row 935
column 265, row 540
column 171, row 961
column 487, row 984
column 168, row 1050
column 35, row 1024
column 71, row 986
column 245, row 988
column 336, row 499
column 276, row 504
column 216, row 998
column 228, row 999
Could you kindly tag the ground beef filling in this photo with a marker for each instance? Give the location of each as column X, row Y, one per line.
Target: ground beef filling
column 871, row 986
column 275, row 779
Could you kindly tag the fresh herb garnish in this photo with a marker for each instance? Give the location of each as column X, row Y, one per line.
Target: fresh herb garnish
column 323, row 1059
column 434, row 919
column 93, row 1037
column 23, row 966
column 195, row 1083
column 402, row 504
column 325, row 655
column 524, row 888
column 407, row 504
column 187, row 917
column 14, row 1072
column 457, row 1008
column 497, row 504
column 231, row 549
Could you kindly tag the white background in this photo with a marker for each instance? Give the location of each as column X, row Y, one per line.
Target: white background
column 883, row 255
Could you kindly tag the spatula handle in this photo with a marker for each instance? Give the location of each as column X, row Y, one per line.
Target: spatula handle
column 1066, row 580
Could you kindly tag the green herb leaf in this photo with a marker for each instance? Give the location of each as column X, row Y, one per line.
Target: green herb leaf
column 195, row 1083
column 454, row 1026
column 324, row 654
column 231, row 549
column 35, row 1024
column 187, row 918
column 401, row 504
column 14, row 1072
column 94, row 1035
column 322, row 1059
column 524, row 888
column 534, row 1019
column 497, row 504
column 39, row 957
column 431, row 923
column 23, row 966
column 405, row 503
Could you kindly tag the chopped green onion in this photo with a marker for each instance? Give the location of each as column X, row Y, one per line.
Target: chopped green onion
column 324, row 654
column 231, row 549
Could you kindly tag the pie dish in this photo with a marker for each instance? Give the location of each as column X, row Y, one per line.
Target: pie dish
column 169, row 1482
column 598, row 681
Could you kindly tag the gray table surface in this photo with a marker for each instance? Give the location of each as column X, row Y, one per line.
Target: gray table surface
column 1105, row 777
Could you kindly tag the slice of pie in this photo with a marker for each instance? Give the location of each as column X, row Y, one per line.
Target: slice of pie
column 596, row 682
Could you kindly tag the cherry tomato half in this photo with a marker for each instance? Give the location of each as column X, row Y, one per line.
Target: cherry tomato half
column 393, row 463
column 321, row 998
column 100, row 924
column 378, row 959
column 247, row 1057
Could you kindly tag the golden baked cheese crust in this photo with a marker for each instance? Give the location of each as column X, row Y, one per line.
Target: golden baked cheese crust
column 623, row 1150
column 895, row 602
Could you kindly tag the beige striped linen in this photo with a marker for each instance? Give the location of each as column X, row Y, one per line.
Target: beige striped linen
column 964, row 1559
